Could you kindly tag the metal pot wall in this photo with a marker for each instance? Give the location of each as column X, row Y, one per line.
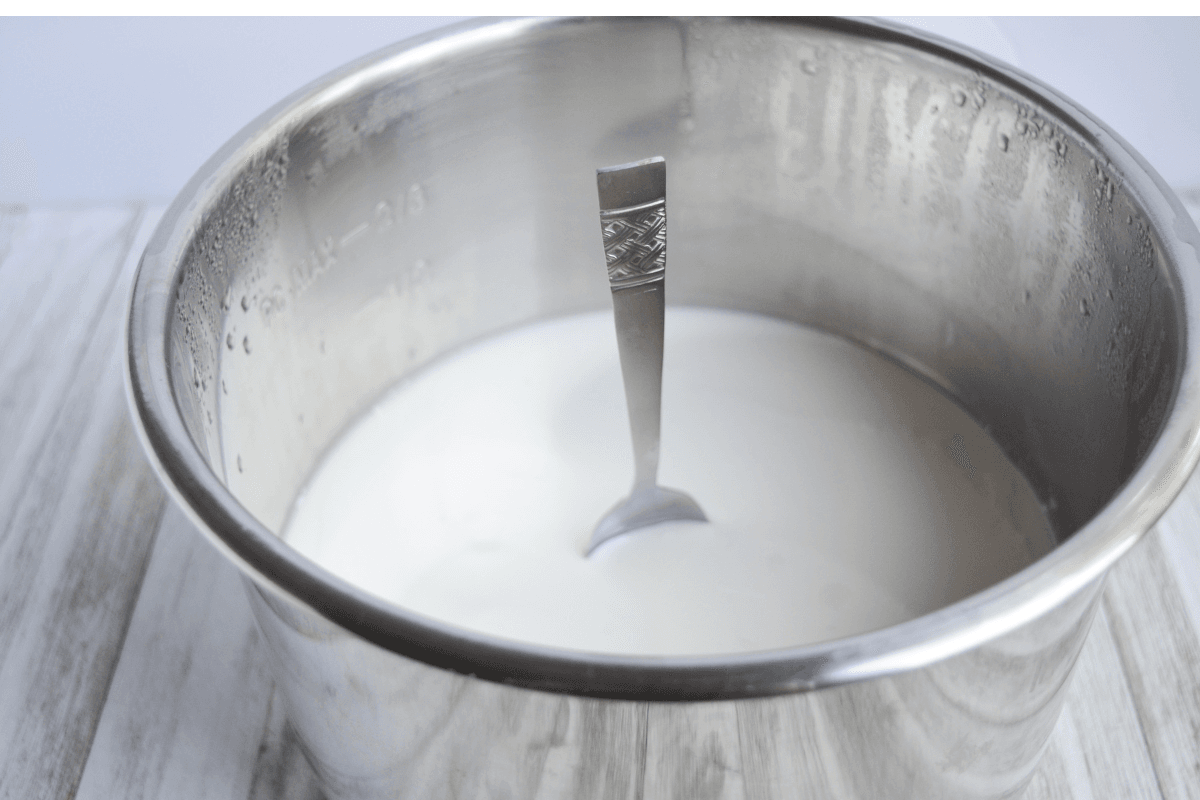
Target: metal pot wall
column 899, row 191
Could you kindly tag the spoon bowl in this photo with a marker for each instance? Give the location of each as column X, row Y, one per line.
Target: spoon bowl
column 645, row 506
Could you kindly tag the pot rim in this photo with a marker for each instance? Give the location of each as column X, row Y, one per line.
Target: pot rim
column 276, row 568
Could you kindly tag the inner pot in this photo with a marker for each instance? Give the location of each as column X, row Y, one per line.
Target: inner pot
column 899, row 191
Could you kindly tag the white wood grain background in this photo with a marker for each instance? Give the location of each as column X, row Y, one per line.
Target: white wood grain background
column 130, row 666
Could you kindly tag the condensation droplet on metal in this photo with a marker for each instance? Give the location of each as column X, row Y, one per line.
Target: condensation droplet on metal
column 1083, row 309
column 239, row 463
column 245, row 303
column 960, row 98
column 246, row 344
column 416, row 199
column 1004, row 142
column 383, row 214
column 809, row 67
column 229, row 340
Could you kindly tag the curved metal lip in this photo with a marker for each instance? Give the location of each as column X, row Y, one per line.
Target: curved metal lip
column 962, row 626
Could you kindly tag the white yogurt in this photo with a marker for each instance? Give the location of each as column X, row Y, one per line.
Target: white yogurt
column 844, row 493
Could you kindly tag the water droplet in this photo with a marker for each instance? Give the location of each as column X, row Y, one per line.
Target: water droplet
column 245, row 303
column 383, row 214
column 1021, row 127
column 1028, row 295
column 1108, row 190
column 229, row 340
column 809, row 67
column 1060, row 147
column 223, row 389
column 1109, row 294
column 1129, row 220
column 246, row 344
column 239, row 463
column 960, row 98
column 416, row 198
column 1083, row 309
column 1004, row 142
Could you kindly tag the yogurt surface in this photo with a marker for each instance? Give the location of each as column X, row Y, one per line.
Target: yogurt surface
column 844, row 494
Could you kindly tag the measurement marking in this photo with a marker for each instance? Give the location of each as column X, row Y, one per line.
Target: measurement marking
column 354, row 233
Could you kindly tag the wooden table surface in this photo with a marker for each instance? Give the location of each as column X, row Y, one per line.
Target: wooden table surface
column 130, row 666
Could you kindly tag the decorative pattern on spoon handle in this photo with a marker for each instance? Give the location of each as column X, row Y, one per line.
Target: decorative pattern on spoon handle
column 635, row 243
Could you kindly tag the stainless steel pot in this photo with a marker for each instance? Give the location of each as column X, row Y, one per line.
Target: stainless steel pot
column 895, row 189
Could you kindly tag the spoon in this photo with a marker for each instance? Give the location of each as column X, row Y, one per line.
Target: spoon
column 633, row 219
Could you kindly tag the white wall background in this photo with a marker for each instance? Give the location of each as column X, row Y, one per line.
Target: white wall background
column 111, row 109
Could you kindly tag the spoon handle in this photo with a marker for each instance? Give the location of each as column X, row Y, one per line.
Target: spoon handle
column 633, row 219
column 639, row 318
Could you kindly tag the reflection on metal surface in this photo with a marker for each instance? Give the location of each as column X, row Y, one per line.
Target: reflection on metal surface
column 378, row 725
